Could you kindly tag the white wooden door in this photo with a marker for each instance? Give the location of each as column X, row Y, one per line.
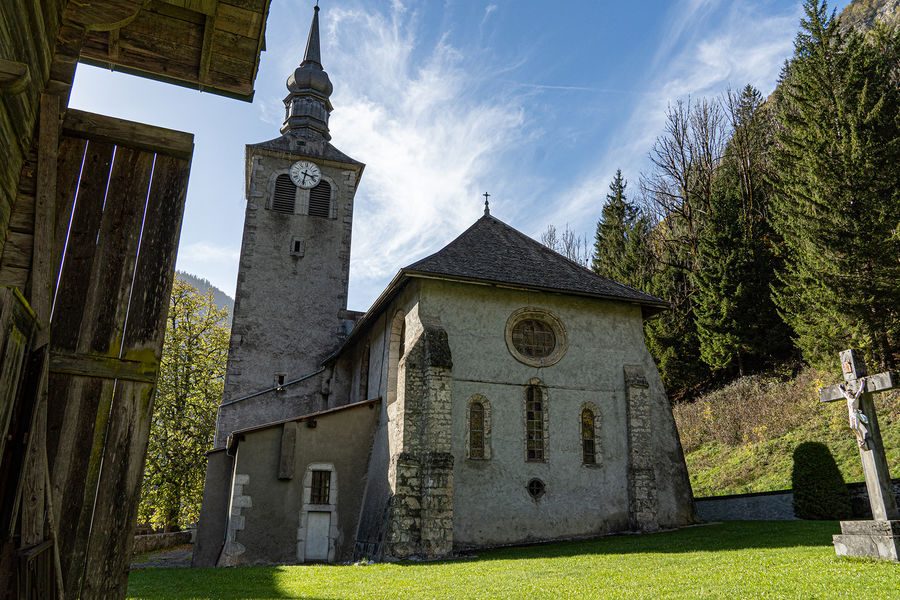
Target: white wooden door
column 318, row 525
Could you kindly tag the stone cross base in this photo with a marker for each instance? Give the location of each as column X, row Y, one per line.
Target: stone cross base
column 872, row 539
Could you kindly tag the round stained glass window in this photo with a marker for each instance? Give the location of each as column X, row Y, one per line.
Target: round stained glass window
column 535, row 337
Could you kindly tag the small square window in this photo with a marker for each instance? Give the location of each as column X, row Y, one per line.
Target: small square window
column 321, row 484
column 279, row 381
column 298, row 247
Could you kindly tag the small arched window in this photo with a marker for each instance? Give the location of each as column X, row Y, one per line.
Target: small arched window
column 588, row 443
column 401, row 350
column 320, row 200
column 534, row 424
column 476, row 430
column 285, row 195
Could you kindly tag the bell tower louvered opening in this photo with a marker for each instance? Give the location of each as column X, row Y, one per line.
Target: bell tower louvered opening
column 320, row 200
column 285, row 195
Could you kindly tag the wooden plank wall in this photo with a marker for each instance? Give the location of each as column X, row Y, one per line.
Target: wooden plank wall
column 28, row 30
column 111, row 305
column 205, row 44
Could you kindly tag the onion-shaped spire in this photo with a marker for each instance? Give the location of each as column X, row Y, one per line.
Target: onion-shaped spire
column 307, row 104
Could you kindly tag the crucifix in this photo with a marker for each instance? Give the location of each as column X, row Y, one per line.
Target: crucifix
column 857, row 391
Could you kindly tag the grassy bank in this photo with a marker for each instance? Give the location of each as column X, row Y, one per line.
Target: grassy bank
column 733, row 560
column 742, row 438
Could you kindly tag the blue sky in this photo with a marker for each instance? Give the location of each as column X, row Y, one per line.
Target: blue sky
column 537, row 103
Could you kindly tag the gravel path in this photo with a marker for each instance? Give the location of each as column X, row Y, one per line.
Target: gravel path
column 179, row 556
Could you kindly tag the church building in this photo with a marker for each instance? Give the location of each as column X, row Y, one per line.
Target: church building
column 495, row 393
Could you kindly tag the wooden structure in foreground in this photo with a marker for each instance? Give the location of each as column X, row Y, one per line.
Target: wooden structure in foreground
column 90, row 214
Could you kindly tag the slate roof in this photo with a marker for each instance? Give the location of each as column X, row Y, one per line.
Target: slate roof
column 491, row 251
column 295, row 144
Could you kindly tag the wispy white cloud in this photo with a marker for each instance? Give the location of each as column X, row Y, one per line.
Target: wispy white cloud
column 408, row 109
column 744, row 45
column 488, row 11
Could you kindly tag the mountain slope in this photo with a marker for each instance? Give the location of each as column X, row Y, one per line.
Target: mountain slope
column 221, row 299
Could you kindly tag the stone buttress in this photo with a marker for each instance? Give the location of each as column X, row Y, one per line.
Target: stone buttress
column 420, row 515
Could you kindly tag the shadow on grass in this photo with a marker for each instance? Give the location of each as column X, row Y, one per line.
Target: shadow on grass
column 219, row 584
column 714, row 537
column 263, row 582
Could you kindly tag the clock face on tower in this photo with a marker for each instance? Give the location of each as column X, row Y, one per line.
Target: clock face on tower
column 305, row 174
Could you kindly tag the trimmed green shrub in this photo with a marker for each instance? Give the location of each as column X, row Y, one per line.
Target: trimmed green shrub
column 819, row 488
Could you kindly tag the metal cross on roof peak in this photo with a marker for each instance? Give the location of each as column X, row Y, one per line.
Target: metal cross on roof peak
column 487, row 206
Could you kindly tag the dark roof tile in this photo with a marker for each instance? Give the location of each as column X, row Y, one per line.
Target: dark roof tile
column 492, row 251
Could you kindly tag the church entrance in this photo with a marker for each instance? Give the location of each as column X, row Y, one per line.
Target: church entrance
column 318, row 525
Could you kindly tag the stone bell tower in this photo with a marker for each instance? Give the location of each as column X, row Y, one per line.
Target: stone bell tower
column 291, row 299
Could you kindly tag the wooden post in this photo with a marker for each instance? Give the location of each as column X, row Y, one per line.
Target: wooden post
column 35, row 489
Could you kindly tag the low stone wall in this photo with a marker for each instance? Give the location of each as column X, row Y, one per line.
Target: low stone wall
column 774, row 506
column 160, row 541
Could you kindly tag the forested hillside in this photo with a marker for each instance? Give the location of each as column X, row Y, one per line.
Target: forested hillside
column 772, row 226
column 221, row 299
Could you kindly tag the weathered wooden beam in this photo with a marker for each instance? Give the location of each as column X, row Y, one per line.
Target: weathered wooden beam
column 43, row 278
column 42, row 284
column 209, row 31
column 874, row 383
column 14, row 77
column 113, row 42
column 102, row 367
column 96, row 127
column 103, row 15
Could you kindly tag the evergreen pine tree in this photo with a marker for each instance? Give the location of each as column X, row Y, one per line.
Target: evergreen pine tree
column 621, row 251
column 837, row 204
column 737, row 323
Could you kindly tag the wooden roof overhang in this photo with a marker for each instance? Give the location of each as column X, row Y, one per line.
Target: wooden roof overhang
column 209, row 45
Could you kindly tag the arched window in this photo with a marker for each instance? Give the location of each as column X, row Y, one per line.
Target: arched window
column 588, row 449
column 285, row 195
column 589, row 429
column 478, row 428
column 320, row 200
column 535, row 442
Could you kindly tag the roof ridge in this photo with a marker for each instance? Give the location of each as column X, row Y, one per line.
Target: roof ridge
column 556, row 254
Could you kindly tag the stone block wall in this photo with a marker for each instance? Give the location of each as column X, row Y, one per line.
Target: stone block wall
column 642, row 497
column 420, row 520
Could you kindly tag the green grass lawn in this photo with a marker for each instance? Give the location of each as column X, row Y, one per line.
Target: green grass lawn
column 731, row 560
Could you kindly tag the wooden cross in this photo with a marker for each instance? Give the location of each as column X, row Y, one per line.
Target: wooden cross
column 857, row 391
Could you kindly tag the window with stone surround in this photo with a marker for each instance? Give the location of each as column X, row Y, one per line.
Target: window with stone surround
column 536, row 488
column 284, row 196
column 535, row 337
column 321, row 487
column 589, row 429
column 535, row 422
column 478, row 428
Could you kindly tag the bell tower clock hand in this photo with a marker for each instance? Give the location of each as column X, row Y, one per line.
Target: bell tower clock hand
column 305, row 174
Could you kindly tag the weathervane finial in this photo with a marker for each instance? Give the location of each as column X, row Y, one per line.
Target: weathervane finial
column 487, row 206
